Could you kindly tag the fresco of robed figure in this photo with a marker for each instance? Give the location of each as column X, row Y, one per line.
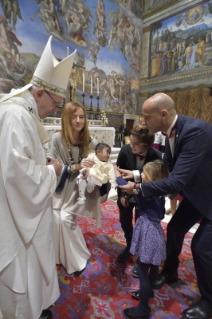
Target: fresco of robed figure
column 182, row 43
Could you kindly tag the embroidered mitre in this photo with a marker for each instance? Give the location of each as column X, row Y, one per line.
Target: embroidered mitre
column 51, row 74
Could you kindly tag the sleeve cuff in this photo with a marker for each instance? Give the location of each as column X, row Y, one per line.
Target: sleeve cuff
column 54, row 182
column 141, row 190
column 137, row 176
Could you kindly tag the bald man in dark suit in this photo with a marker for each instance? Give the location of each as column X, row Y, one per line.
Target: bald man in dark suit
column 188, row 154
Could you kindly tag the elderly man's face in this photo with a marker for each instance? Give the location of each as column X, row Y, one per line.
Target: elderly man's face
column 152, row 118
column 48, row 104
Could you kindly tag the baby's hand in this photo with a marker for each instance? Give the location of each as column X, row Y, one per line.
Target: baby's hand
column 117, row 172
column 85, row 172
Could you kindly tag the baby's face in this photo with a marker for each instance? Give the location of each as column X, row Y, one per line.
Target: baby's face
column 103, row 155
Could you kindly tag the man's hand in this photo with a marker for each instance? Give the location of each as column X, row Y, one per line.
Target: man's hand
column 124, row 201
column 86, row 163
column 56, row 163
column 128, row 188
column 125, row 174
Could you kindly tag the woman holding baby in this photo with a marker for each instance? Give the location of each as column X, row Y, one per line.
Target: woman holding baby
column 71, row 145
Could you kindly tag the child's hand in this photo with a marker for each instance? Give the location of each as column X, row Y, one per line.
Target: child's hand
column 117, row 172
column 125, row 174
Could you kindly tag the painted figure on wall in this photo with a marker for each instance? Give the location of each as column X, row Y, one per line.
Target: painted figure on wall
column 200, row 51
column 100, row 28
column 128, row 37
column 48, row 15
column 10, row 63
column 183, row 41
column 107, row 35
column 93, row 51
column 11, row 11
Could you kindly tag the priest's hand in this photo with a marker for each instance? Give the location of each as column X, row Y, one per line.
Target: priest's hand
column 56, row 163
column 85, row 163
column 125, row 174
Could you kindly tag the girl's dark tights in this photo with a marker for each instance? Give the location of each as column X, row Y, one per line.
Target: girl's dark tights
column 147, row 276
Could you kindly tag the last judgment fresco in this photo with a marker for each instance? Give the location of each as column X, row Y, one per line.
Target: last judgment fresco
column 106, row 33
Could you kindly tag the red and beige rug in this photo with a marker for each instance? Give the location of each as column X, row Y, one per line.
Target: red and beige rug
column 103, row 290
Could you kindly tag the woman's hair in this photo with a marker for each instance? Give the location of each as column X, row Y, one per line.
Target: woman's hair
column 66, row 132
column 155, row 170
column 101, row 146
column 143, row 134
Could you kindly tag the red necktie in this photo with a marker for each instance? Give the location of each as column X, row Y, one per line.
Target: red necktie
column 141, row 157
column 172, row 131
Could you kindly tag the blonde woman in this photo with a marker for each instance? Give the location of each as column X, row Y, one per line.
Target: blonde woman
column 71, row 145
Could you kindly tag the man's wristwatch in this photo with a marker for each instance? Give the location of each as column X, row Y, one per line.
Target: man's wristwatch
column 136, row 190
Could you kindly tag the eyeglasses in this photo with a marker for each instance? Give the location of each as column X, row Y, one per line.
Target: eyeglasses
column 55, row 102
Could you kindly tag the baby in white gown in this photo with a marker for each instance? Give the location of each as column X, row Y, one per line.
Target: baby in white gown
column 100, row 173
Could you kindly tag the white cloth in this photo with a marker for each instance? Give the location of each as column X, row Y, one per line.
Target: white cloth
column 172, row 139
column 28, row 278
column 102, row 171
column 159, row 139
column 70, row 246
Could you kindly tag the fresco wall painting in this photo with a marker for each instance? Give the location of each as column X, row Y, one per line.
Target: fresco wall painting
column 182, row 43
column 106, row 33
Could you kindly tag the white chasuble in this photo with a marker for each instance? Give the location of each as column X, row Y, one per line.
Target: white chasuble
column 28, row 278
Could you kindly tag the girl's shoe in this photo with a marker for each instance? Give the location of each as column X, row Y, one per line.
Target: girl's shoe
column 136, row 294
column 127, row 313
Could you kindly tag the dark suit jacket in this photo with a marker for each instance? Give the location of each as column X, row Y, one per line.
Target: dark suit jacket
column 127, row 160
column 191, row 167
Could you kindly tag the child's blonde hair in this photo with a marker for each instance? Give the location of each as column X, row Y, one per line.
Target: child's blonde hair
column 155, row 170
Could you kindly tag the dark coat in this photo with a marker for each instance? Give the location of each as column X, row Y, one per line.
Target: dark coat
column 191, row 166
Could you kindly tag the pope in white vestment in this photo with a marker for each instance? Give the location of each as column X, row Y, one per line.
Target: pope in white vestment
column 27, row 263
column 28, row 278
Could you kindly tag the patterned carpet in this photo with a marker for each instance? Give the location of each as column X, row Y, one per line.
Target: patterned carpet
column 103, row 290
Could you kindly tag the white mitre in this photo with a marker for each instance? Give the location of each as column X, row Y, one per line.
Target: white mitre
column 51, row 75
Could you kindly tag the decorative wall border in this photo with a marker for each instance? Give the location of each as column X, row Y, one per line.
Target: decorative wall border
column 145, row 55
column 201, row 78
column 160, row 13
